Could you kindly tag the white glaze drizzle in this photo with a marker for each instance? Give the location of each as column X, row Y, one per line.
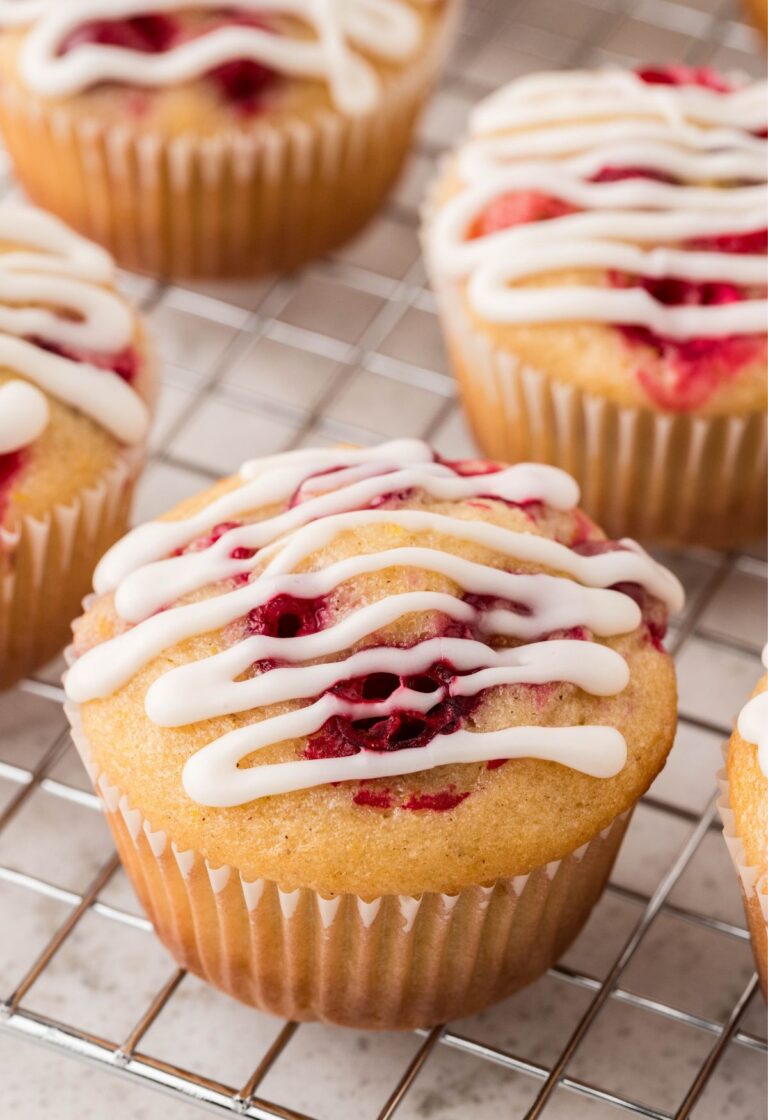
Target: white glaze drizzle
column 688, row 132
column 52, row 287
column 753, row 722
column 345, row 30
column 24, row 415
column 145, row 579
column 21, row 13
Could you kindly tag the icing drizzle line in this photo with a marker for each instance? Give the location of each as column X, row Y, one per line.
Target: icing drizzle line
column 753, row 722
column 390, row 30
column 611, row 119
column 51, row 267
column 20, row 13
column 24, row 415
column 320, row 495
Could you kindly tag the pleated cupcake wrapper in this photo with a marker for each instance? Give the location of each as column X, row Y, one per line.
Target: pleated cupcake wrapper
column 392, row 962
column 247, row 201
column 753, row 882
column 47, row 563
column 670, row 477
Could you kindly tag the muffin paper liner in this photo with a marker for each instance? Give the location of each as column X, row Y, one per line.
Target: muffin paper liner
column 393, row 962
column 669, row 477
column 46, row 567
column 243, row 202
column 754, row 885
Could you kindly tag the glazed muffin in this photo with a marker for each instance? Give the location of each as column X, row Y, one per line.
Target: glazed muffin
column 201, row 137
column 744, row 809
column 76, row 381
column 597, row 246
column 369, row 726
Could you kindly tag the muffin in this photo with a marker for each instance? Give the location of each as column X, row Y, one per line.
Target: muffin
column 202, row 137
column 369, row 726
column 76, row 381
column 597, row 246
column 744, row 809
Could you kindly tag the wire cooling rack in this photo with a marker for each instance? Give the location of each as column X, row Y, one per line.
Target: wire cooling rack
column 654, row 1012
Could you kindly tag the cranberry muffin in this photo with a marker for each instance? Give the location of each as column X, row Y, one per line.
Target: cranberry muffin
column 202, row 137
column 598, row 248
column 744, row 809
column 76, row 382
column 369, row 726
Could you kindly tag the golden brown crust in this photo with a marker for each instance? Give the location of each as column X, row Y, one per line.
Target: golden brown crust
column 748, row 795
column 517, row 817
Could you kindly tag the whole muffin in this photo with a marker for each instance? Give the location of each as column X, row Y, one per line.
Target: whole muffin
column 369, row 726
column 597, row 246
column 76, row 381
column 744, row 809
column 202, row 137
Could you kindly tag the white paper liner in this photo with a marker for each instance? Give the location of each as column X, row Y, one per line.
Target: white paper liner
column 668, row 477
column 245, row 202
column 753, row 883
column 392, row 962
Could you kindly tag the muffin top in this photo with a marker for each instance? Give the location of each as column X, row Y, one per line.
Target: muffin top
column 203, row 65
column 73, row 371
column 610, row 228
column 378, row 671
column 748, row 776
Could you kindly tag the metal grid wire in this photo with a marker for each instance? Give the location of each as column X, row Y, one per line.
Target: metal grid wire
column 349, row 349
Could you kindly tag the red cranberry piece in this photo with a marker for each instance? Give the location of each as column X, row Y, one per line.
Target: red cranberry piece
column 618, row 174
column 438, row 802
column 755, row 243
column 11, row 463
column 373, row 799
column 654, row 612
column 492, row 603
column 287, row 617
column 216, row 533
column 676, row 74
column 150, row 34
column 452, row 629
column 584, row 529
column 422, row 683
column 398, row 730
column 673, row 292
column 693, row 368
column 379, row 686
column 125, row 364
column 572, row 634
column 519, row 208
column 242, row 82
